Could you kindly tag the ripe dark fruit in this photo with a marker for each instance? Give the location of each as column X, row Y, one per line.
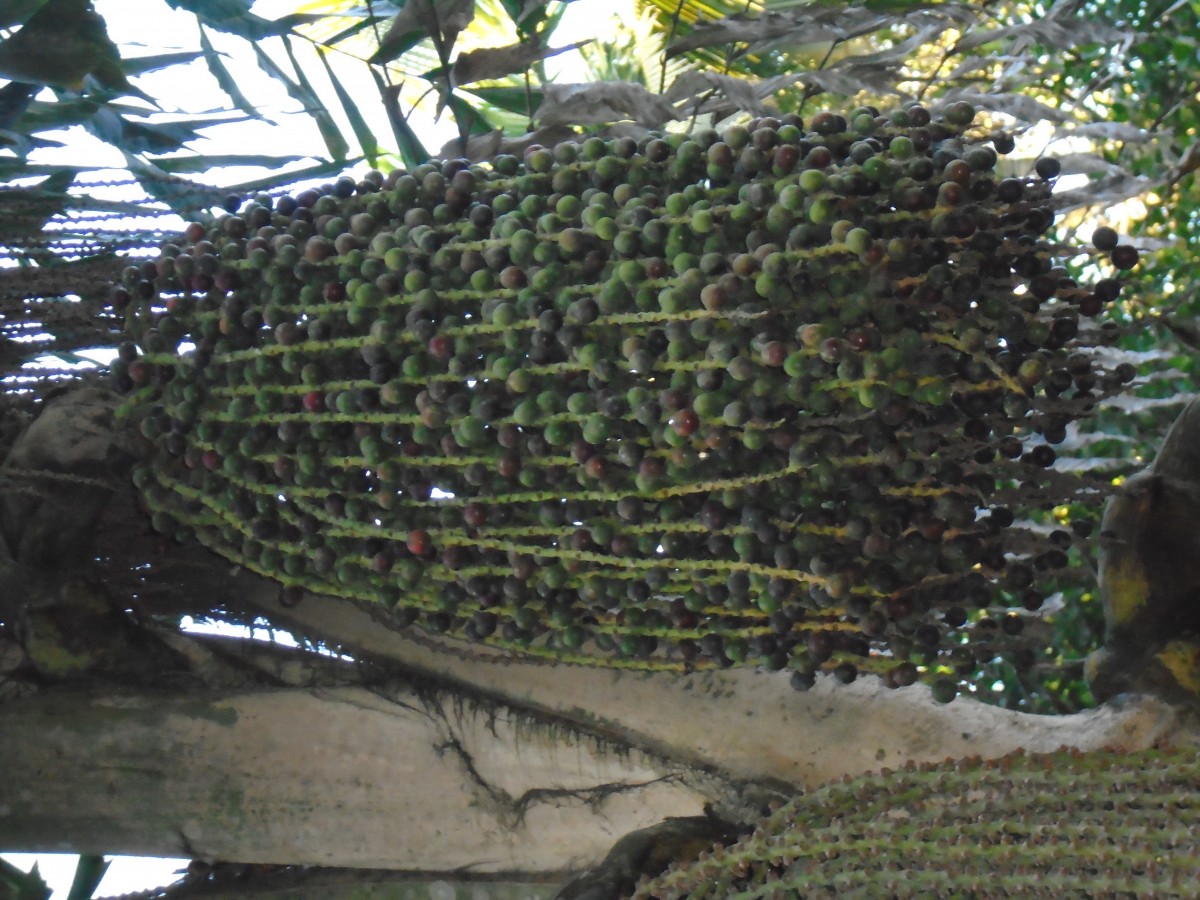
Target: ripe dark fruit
column 1048, row 167
column 1104, row 238
column 1004, row 143
column 682, row 402
column 1124, row 256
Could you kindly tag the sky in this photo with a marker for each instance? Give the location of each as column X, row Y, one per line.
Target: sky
column 158, row 28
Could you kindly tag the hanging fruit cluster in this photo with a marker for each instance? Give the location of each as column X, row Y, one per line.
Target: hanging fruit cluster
column 772, row 396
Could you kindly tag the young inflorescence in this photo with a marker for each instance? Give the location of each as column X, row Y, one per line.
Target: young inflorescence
column 1062, row 824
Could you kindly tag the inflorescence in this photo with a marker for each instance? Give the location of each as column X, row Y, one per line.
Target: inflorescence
column 772, row 396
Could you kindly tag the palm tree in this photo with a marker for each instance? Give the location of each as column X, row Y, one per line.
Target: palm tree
column 484, row 66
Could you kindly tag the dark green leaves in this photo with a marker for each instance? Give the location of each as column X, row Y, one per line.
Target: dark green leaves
column 417, row 20
column 15, row 12
column 234, row 17
column 89, row 872
column 60, row 45
column 22, row 885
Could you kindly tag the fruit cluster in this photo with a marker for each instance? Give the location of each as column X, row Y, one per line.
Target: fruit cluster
column 1050, row 825
column 770, row 396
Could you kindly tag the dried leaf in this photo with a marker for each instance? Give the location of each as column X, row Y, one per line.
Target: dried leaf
column 1188, row 164
column 732, row 29
column 482, row 147
column 476, row 148
column 1113, row 131
column 973, row 64
column 741, row 93
column 603, row 101
column 496, row 62
column 849, row 82
column 1061, row 28
column 900, row 51
column 1087, row 164
column 1020, row 106
column 1107, row 191
column 812, row 24
column 687, row 87
column 624, row 130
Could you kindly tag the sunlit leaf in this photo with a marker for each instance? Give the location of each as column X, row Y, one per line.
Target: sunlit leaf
column 513, row 99
column 303, row 93
column 139, row 65
column 234, row 17
column 411, row 150
column 225, row 81
column 288, row 178
column 190, row 163
column 183, row 196
column 362, row 132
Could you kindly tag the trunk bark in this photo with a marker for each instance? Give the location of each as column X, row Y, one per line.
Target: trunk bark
column 397, row 779
column 744, row 723
column 445, row 776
